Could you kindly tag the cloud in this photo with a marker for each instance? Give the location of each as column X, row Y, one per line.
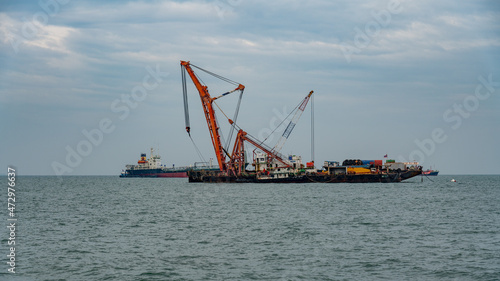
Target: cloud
column 90, row 14
column 52, row 38
column 92, row 52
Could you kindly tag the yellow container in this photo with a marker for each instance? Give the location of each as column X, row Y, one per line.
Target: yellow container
column 353, row 170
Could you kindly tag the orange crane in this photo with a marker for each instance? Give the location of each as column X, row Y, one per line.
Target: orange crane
column 206, row 101
column 235, row 165
column 237, row 161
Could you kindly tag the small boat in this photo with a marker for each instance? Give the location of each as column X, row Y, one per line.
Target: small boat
column 430, row 172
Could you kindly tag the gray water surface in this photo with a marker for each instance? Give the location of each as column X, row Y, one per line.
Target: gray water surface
column 110, row 228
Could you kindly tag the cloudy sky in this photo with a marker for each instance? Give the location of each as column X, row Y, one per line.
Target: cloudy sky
column 86, row 86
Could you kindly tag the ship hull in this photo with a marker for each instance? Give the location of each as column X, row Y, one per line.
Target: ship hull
column 152, row 168
column 430, row 173
column 154, row 173
column 211, row 177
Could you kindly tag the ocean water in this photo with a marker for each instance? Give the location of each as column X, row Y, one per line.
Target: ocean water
column 110, row 228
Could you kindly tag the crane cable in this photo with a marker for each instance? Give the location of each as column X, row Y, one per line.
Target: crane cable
column 237, row 110
column 427, row 177
column 186, row 113
column 235, row 118
column 281, row 123
column 216, row 75
column 312, row 129
column 184, row 94
column 186, row 109
column 197, row 150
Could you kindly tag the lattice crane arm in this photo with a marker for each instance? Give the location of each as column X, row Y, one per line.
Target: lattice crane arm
column 292, row 123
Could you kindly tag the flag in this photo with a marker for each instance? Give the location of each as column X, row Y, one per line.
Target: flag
column 385, row 156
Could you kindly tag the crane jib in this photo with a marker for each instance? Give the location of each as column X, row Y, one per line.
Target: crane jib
column 291, row 125
column 288, row 130
column 231, row 164
column 304, row 103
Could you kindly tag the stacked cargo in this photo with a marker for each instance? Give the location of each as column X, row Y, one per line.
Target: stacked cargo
column 395, row 166
column 363, row 163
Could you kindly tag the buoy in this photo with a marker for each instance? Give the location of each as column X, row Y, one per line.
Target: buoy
column 453, row 180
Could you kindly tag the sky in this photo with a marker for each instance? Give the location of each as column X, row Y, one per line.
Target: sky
column 86, row 86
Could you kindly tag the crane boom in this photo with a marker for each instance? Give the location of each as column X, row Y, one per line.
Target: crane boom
column 292, row 123
column 234, row 164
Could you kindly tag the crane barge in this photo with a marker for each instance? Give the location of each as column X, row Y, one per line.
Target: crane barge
column 269, row 165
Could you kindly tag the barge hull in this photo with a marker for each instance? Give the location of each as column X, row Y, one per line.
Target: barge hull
column 211, row 177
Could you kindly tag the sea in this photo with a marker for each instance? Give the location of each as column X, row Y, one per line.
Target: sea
column 111, row 228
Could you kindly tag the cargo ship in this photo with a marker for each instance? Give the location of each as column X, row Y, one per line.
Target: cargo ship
column 152, row 168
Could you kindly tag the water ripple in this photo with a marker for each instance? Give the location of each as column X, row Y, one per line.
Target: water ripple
column 107, row 228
